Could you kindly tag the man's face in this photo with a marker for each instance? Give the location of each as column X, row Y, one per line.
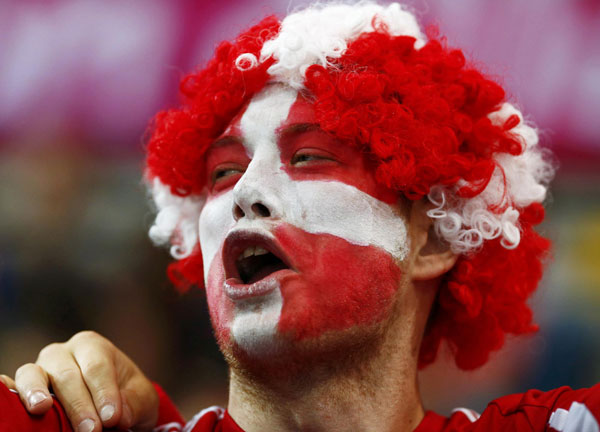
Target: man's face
column 298, row 240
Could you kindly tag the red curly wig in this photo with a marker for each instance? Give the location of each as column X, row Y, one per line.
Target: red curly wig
column 424, row 116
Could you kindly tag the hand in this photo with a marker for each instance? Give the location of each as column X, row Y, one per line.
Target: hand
column 97, row 385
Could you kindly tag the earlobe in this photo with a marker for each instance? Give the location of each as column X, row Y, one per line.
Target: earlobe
column 431, row 256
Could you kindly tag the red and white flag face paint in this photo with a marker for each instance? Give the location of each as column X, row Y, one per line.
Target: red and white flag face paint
column 281, row 185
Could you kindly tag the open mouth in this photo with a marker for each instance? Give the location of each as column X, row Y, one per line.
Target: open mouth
column 256, row 263
column 250, row 257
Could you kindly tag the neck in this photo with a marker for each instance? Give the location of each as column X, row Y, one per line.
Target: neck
column 374, row 391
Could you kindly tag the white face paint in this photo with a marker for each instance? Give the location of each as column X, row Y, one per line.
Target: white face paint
column 254, row 327
column 316, row 206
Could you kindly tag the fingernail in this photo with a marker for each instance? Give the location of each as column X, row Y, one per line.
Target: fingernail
column 107, row 412
column 36, row 398
column 86, row 426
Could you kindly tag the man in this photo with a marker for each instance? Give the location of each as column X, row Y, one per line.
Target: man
column 352, row 195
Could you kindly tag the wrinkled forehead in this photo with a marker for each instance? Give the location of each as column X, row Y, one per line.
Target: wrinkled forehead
column 269, row 112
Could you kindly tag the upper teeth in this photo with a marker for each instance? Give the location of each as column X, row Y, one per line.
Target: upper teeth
column 253, row 250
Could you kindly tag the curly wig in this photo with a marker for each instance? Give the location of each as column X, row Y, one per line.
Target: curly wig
column 437, row 128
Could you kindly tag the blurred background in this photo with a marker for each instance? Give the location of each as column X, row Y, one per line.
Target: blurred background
column 79, row 81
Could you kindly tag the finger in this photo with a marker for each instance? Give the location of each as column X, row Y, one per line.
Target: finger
column 69, row 387
column 96, row 362
column 8, row 382
column 140, row 404
column 32, row 384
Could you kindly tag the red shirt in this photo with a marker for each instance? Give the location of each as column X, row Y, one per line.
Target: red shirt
column 559, row 410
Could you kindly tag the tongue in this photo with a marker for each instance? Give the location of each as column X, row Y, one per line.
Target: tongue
column 264, row 272
column 255, row 268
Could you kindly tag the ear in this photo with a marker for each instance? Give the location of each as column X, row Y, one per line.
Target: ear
column 431, row 257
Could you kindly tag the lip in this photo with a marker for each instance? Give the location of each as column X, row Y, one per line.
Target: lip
column 236, row 290
column 235, row 243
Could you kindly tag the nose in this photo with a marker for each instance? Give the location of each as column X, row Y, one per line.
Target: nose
column 256, row 195
column 256, row 210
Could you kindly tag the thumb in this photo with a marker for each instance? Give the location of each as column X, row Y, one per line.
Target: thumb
column 140, row 405
column 8, row 382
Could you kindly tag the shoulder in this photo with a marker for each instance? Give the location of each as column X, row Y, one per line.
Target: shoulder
column 559, row 410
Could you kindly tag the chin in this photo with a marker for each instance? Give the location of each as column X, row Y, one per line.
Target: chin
column 261, row 352
column 274, row 330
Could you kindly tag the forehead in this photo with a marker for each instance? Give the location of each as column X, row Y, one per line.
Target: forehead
column 268, row 113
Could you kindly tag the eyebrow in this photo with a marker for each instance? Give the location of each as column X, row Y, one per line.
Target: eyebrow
column 225, row 140
column 297, row 128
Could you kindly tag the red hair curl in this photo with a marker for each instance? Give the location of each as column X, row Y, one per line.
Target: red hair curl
column 422, row 115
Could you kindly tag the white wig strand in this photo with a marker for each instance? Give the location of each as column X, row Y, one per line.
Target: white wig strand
column 176, row 220
column 322, row 32
column 518, row 181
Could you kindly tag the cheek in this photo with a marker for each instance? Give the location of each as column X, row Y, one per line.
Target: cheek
column 358, row 176
column 339, row 209
column 215, row 222
column 220, row 309
column 341, row 285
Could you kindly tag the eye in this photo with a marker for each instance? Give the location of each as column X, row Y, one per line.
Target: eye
column 309, row 156
column 222, row 175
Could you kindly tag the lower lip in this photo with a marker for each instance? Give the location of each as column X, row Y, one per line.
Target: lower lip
column 235, row 289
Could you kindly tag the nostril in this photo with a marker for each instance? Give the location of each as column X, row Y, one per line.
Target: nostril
column 238, row 213
column 261, row 210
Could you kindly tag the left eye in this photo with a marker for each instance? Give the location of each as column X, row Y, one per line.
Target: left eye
column 305, row 158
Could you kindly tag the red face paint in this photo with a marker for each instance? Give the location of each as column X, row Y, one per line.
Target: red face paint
column 226, row 161
column 329, row 158
column 339, row 285
column 342, row 267
column 299, row 137
column 335, row 285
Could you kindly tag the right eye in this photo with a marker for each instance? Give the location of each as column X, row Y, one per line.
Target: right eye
column 225, row 172
column 223, row 176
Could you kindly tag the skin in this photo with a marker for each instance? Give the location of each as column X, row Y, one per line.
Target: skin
column 336, row 371
column 97, row 384
column 322, row 209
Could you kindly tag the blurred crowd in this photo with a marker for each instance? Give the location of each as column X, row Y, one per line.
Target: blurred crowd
column 78, row 84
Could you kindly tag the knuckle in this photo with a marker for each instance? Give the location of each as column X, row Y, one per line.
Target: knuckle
column 87, row 338
column 26, row 369
column 85, row 335
column 65, row 376
column 51, row 350
column 93, row 368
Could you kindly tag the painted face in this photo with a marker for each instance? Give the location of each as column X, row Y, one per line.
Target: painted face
column 297, row 238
